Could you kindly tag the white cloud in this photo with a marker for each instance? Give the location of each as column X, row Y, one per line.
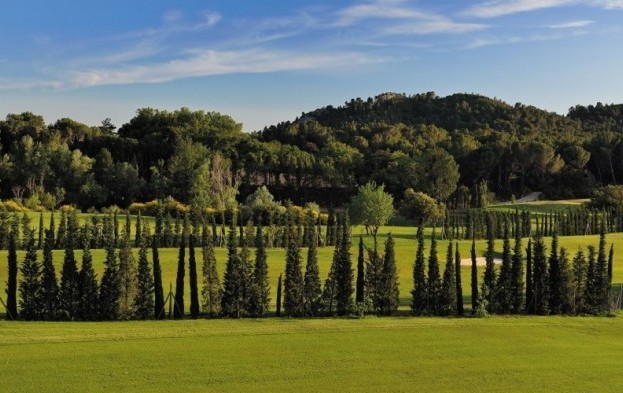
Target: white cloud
column 492, row 9
column 434, row 27
column 208, row 62
column 379, row 9
column 571, row 25
column 482, row 42
column 611, row 4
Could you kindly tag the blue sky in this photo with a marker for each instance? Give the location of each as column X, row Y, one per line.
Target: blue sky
column 265, row 62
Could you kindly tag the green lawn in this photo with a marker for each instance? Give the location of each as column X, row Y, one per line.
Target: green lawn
column 499, row 354
column 540, row 206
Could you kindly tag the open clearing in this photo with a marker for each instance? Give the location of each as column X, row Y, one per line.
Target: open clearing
column 505, row 354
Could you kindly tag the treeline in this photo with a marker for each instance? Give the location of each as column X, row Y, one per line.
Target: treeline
column 576, row 221
column 532, row 283
column 456, row 149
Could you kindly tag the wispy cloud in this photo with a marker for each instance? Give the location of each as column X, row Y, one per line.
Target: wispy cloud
column 207, row 62
column 482, row 42
column 405, row 19
column 492, row 9
column 571, row 25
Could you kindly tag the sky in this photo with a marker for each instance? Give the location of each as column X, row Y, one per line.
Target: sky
column 269, row 61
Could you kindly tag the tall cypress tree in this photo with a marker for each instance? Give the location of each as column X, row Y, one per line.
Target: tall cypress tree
column 279, row 296
column 258, row 303
column 178, row 309
column 529, row 284
column 556, row 292
column 30, row 285
column 540, row 279
column 88, row 306
column 192, row 276
column 390, row 295
column 566, row 288
column 139, row 230
column 504, row 284
column 11, row 288
column 434, row 280
column 293, row 283
column 41, row 228
column 246, row 264
column 361, row 279
column 448, row 287
column 69, row 291
column 329, row 289
column 232, row 301
column 419, row 293
column 488, row 282
column 158, row 290
column 516, row 281
column 344, row 272
column 109, row 287
column 578, row 283
column 49, row 283
column 211, row 292
column 312, row 290
column 459, row 286
column 602, row 286
column 591, row 295
column 61, row 236
column 144, row 300
column 610, row 263
column 474, row 278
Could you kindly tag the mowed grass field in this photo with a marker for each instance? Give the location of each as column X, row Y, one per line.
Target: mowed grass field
column 497, row 354
column 394, row 354
column 405, row 254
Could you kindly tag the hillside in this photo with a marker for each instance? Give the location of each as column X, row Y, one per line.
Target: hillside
column 448, row 147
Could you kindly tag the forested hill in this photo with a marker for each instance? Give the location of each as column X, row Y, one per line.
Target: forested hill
column 447, row 147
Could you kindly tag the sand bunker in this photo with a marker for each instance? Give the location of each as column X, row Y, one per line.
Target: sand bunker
column 479, row 261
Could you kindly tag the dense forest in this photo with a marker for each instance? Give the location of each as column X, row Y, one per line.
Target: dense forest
column 450, row 148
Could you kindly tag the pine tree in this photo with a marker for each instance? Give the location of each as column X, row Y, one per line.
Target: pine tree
column 158, row 290
column 144, row 300
column 110, row 285
column 192, row 276
column 279, row 297
column 211, row 292
column 88, row 305
column 312, row 290
column 434, row 280
column 540, row 279
column 246, row 264
column 232, row 302
column 448, row 287
column 459, row 286
column 178, row 309
column 361, row 280
column 529, row 292
column 127, row 278
column 49, row 283
column 474, row 278
column 11, row 290
column 69, row 291
column 258, row 303
column 29, row 286
column 390, row 295
column 344, row 273
column 293, row 283
column 419, row 292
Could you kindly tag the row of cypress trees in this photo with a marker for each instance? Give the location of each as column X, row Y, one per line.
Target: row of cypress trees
column 551, row 285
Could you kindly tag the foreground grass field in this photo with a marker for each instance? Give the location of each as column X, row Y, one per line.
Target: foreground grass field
column 522, row 354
